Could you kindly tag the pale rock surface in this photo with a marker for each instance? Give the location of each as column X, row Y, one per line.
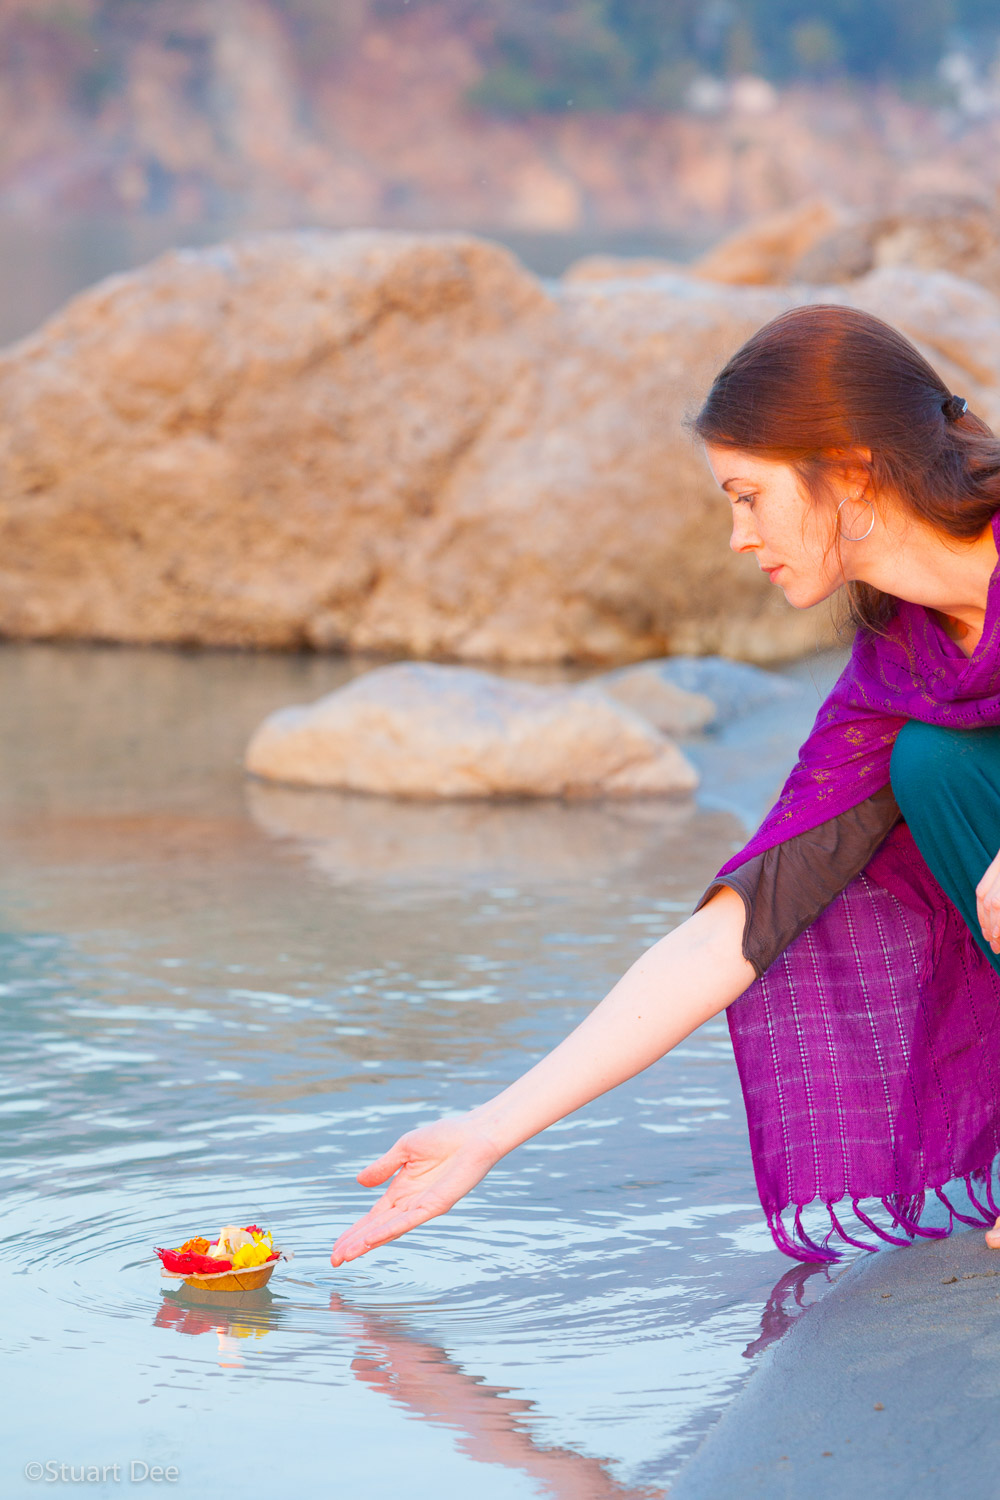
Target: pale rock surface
column 426, row 730
column 936, row 232
column 763, row 252
column 768, row 249
column 820, row 241
column 404, row 444
column 648, row 690
column 732, row 688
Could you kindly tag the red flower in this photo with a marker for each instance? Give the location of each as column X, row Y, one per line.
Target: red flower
column 187, row 1263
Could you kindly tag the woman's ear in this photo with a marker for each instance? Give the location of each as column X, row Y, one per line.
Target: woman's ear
column 854, row 468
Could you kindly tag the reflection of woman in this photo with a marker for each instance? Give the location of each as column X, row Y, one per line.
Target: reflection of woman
column 859, row 930
column 493, row 1425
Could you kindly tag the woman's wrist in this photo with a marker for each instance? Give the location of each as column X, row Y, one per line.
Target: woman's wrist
column 500, row 1125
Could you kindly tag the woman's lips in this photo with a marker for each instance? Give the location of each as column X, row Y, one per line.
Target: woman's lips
column 771, row 571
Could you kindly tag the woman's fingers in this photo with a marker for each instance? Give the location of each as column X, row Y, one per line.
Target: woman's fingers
column 378, row 1171
column 431, row 1168
column 359, row 1241
column 398, row 1202
column 988, row 904
column 989, row 921
column 383, row 1222
column 988, row 912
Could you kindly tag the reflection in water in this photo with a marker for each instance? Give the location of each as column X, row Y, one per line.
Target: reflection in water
column 241, row 1315
column 778, row 1316
column 350, row 836
column 221, row 999
column 421, row 1378
column 495, row 1424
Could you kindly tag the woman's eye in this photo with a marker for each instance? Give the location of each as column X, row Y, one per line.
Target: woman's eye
column 748, row 498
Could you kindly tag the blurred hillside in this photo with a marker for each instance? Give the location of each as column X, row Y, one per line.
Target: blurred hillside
column 560, row 126
column 549, row 115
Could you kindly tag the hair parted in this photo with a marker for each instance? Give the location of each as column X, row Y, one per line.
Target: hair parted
column 823, row 378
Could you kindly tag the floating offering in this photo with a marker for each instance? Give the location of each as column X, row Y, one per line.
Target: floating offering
column 237, row 1260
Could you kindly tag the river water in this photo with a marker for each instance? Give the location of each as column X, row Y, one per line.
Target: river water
column 44, row 264
column 222, row 999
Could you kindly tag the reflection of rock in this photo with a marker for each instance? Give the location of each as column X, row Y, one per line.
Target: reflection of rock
column 728, row 688
column 350, row 837
column 421, row 730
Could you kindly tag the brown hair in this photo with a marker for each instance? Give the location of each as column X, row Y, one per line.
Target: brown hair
column 825, row 377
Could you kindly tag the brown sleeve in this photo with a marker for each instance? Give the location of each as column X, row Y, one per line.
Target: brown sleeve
column 787, row 887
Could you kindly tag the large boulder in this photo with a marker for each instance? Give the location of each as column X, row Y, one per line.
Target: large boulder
column 936, row 232
column 819, row 242
column 769, row 249
column 417, row 729
column 403, row 444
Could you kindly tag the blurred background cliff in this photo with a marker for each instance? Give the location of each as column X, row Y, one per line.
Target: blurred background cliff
column 558, row 126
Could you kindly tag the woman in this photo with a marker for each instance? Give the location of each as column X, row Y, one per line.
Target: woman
column 856, row 939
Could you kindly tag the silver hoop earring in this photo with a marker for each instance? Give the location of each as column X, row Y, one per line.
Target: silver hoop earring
column 871, row 523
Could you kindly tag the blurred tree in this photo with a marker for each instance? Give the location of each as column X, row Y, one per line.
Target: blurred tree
column 323, row 32
column 606, row 54
column 816, row 47
column 741, row 47
column 555, row 55
column 547, row 55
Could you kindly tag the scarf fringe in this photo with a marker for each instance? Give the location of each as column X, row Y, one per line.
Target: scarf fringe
column 983, row 1217
column 903, row 1211
column 989, row 1197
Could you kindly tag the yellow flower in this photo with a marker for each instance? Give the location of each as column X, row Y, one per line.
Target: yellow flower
column 251, row 1255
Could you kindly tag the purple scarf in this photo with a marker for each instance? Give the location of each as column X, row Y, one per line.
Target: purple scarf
column 869, row 1051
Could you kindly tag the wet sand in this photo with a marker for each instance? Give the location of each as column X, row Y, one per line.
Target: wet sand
column 887, row 1386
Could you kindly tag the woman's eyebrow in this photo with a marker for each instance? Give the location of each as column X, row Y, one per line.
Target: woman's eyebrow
column 727, row 482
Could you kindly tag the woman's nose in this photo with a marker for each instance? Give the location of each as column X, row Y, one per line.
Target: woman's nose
column 744, row 537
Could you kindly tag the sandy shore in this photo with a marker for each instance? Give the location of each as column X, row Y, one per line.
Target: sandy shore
column 887, row 1386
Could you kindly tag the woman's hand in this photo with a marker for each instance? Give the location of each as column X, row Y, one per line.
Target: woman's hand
column 434, row 1166
column 988, row 904
column 691, row 974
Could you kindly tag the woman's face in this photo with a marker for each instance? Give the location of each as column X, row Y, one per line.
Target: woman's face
column 789, row 534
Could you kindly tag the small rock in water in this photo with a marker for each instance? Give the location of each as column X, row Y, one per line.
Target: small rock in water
column 418, row 729
column 734, row 687
column 649, row 690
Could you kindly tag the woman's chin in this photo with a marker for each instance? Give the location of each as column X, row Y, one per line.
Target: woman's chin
column 798, row 596
column 787, row 586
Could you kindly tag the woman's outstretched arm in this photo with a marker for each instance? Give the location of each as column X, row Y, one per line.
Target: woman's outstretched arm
column 688, row 976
